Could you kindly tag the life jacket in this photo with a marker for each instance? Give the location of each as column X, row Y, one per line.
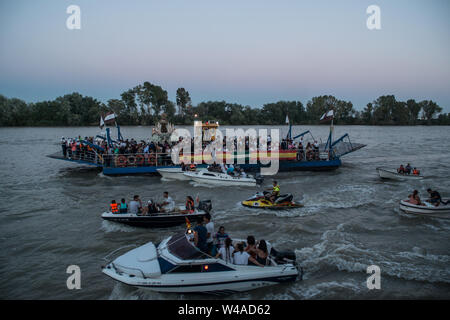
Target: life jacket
column 190, row 205
column 276, row 189
column 114, row 208
column 416, row 172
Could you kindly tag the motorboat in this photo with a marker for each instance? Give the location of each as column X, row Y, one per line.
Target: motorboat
column 173, row 174
column 176, row 265
column 282, row 202
column 160, row 220
column 393, row 174
column 427, row 209
column 223, row 179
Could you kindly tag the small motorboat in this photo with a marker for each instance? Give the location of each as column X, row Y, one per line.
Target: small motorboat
column 223, row 179
column 427, row 209
column 176, row 265
column 393, row 174
column 173, row 174
column 282, row 202
column 159, row 220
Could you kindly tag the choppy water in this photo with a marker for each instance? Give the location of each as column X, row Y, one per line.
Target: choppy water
column 50, row 219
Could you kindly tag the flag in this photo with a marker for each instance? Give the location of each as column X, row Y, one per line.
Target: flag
column 188, row 223
column 327, row 116
column 110, row 118
column 102, row 123
column 287, row 119
column 197, row 198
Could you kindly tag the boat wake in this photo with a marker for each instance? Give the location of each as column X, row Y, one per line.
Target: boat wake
column 109, row 226
column 337, row 251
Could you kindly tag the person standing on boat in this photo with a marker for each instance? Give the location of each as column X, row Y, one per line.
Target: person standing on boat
column 226, row 251
column 209, row 225
column 64, row 146
column 200, row 235
column 220, row 237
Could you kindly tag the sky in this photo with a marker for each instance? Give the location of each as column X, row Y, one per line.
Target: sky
column 249, row 52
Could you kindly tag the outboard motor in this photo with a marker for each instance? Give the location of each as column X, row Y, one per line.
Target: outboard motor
column 259, row 178
column 282, row 257
column 205, row 205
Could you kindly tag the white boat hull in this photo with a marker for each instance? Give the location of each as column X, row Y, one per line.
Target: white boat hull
column 206, row 283
column 429, row 210
column 173, row 174
column 220, row 179
column 391, row 174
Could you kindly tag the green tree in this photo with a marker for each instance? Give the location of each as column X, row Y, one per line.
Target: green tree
column 429, row 110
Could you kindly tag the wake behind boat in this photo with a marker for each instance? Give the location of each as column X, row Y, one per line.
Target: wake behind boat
column 176, row 265
column 385, row 173
column 173, row 174
column 222, row 179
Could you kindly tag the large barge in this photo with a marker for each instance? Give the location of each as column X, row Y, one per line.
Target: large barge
column 102, row 152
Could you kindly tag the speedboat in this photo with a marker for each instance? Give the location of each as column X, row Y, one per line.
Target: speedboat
column 427, row 209
column 223, row 179
column 393, row 174
column 173, row 174
column 282, row 202
column 159, row 220
column 176, row 265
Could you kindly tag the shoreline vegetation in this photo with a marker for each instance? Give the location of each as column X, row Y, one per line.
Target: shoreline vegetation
column 147, row 103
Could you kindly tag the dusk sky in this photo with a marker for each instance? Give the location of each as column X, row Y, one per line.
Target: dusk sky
column 249, row 52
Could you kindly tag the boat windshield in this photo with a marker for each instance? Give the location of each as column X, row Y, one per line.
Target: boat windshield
column 180, row 247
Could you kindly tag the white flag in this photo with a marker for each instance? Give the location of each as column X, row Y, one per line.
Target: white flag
column 287, row 119
column 102, row 123
column 327, row 116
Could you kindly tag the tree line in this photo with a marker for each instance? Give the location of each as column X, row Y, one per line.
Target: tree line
column 147, row 103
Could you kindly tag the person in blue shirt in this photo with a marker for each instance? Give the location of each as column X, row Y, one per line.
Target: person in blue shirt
column 200, row 235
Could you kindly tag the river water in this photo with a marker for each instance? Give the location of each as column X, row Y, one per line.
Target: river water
column 50, row 219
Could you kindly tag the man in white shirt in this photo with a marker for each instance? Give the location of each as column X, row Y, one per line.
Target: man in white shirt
column 209, row 225
column 168, row 205
column 135, row 205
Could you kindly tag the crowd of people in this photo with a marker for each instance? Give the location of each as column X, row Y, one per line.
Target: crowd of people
column 136, row 206
column 219, row 245
column 434, row 198
column 159, row 153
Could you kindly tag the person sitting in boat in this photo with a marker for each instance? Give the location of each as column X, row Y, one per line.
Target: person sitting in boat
column 262, row 252
column 190, row 205
column 414, row 198
column 408, row 169
column 200, row 235
column 275, row 192
column 230, row 170
column 416, row 172
column 136, row 205
column 226, row 251
column 114, row 207
column 251, row 246
column 168, row 205
column 401, row 169
column 123, row 206
column 241, row 257
column 151, row 208
column 435, row 197
column 192, row 167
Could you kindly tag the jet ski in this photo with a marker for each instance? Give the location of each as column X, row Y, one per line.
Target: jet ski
column 282, row 202
column 176, row 265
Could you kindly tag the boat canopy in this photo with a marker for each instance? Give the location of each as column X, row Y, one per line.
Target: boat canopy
column 179, row 246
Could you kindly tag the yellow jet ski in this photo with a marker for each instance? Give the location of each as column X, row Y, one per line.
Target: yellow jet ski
column 281, row 203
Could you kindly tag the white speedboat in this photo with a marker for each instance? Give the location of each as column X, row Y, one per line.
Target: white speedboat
column 393, row 174
column 222, row 179
column 427, row 209
column 173, row 174
column 176, row 265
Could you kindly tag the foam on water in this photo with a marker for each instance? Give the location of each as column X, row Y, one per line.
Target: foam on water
column 337, row 250
column 109, row 226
